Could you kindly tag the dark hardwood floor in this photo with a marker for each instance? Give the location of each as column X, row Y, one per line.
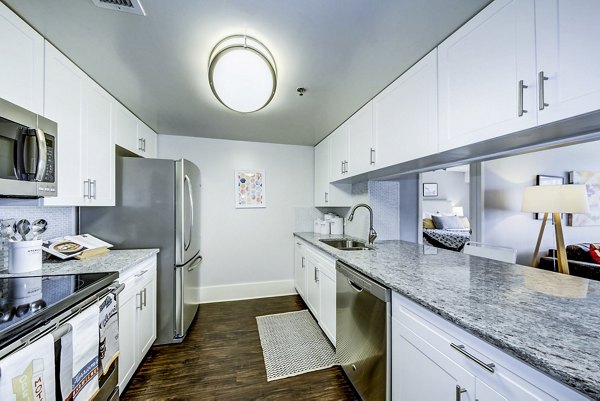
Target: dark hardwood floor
column 221, row 359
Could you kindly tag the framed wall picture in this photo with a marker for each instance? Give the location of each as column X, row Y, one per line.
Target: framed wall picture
column 430, row 189
column 250, row 189
column 591, row 180
column 547, row 180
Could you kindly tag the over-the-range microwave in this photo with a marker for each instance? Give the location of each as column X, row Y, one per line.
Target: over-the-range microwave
column 27, row 153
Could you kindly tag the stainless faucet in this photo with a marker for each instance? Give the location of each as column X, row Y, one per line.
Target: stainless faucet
column 372, row 232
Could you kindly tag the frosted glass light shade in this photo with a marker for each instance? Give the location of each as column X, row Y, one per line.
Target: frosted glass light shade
column 242, row 73
column 555, row 199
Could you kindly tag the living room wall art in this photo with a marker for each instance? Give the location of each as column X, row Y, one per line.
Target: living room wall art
column 592, row 183
column 250, row 189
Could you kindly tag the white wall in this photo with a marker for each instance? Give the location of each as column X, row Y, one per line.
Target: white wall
column 247, row 252
column 504, row 181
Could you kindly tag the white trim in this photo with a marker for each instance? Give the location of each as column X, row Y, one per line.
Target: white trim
column 236, row 292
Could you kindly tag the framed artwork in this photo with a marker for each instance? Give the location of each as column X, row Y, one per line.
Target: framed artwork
column 430, row 189
column 547, row 180
column 250, row 189
column 592, row 185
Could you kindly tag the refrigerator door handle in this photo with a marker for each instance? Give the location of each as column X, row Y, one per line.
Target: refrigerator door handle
column 186, row 246
column 179, row 303
column 195, row 263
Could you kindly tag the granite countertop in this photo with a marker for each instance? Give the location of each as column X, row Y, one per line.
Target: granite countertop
column 550, row 321
column 113, row 261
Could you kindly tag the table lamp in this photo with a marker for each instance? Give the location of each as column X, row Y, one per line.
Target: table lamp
column 555, row 199
column 458, row 211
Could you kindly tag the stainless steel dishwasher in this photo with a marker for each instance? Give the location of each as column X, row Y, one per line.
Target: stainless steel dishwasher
column 363, row 333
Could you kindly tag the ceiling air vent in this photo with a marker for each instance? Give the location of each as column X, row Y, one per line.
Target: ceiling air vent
column 129, row 6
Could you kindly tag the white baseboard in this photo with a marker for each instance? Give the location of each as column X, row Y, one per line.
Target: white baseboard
column 236, row 292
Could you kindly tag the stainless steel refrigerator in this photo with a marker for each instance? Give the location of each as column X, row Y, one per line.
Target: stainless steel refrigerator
column 157, row 206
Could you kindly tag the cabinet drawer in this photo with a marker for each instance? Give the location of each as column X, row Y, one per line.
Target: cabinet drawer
column 511, row 377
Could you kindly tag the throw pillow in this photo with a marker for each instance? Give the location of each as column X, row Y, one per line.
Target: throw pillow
column 428, row 223
column 595, row 252
column 447, row 222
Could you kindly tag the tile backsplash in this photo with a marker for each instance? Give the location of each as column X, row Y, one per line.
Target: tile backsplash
column 61, row 220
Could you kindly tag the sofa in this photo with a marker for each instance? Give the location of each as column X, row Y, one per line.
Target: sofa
column 581, row 263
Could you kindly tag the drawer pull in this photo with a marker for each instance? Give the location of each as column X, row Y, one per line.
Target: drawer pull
column 487, row 366
column 141, row 273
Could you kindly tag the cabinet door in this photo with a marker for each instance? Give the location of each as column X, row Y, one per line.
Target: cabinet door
column 146, row 318
column 22, row 66
column 486, row 393
column 327, row 314
column 405, row 115
column 360, row 147
column 322, row 173
column 313, row 295
column 420, row 372
column 299, row 273
column 567, row 54
column 147, row 139
column 127, row 334
column 480, row 67
column 63, row 103
column 98, row 147
column 338, row 153
column 125, row 128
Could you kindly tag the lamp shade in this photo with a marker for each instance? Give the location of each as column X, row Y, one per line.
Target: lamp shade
column 242, row 73
column 555, row 199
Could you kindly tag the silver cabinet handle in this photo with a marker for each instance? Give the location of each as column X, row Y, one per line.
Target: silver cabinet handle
column 141, row 303
column 86, row 183
column 299, row 243
column 303, row 262
column 354, row 286
column 342, row 168
column 345, row 166
column 139, row 143
column 372, row 156
column 93, row 182
column 326, row 197
column 143, row 144
column 522, row 86
column 316, row 275
column 541, row 79
column 144, row 292
column 459, row 391
column 487, row 366
column 140, row 274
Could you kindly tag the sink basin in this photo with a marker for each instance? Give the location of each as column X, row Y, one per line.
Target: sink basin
column 347, row 244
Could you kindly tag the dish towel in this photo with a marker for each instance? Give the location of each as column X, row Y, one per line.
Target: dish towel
column 28, row 374
column 79, row 357
column 109, row 332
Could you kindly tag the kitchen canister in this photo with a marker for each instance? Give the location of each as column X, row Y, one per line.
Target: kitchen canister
column 337, row 226
column 325, row 227
column 24, row 256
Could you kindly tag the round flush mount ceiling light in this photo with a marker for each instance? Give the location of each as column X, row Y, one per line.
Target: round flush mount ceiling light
column 242, row 73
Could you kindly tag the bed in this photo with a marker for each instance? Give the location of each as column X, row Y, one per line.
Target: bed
column 453, row 239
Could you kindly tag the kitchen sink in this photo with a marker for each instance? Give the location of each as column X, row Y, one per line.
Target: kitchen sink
column 347, row 244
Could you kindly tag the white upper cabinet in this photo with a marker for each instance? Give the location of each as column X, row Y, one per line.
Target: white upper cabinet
column 82, row 110
column 146, row 140
column 339, row 153
column 22, row 66
column 326, row 194
column 132, row 134
column 406, row 115
column 125, row 128
column 63, row 103
column 568, row 56
column 361, row 150
column 487, row 75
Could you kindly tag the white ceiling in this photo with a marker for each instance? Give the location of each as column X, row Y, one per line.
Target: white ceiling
column 342, row 51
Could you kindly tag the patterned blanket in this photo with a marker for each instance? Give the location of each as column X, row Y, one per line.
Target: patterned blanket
column 447, row 239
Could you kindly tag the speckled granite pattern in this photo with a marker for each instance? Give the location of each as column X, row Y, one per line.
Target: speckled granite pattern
column 114, row 261
column 548, row 320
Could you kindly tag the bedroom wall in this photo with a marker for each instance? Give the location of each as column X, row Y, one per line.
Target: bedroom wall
column 504, row 224
column 452, row 186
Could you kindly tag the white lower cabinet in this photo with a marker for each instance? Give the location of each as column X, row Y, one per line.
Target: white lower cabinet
column 317, row 285
column 137, row 317
column 434, row 360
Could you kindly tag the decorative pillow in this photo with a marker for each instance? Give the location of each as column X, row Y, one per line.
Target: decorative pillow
column 595, row 252
column 428, row 223
column 447, row 222
column 580, row 252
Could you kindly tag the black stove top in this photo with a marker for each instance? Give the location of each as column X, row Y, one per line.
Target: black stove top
column 27, row 302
